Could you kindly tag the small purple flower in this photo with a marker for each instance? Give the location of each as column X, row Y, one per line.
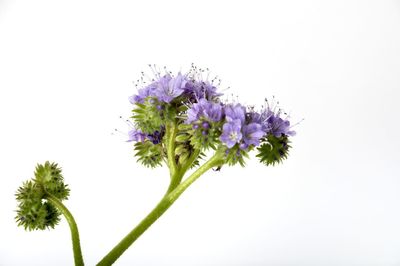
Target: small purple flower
column 231, row 133
column 260, row 118
column 194, row 113
column 204, row 109
column 143, row 93
column 169, row 88
column 136, row 135
column 210, row 91
column 233, row 112
column 279, row 126
column 252, row 133
column 213, row 112
column 197, row 90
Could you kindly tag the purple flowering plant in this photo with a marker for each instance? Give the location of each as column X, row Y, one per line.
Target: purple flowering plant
column 177, row 120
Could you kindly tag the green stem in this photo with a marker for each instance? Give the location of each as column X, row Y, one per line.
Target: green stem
column 171, row 131
column 176, row 180
column 214, row 161
column 161, row 207
column 76, row 246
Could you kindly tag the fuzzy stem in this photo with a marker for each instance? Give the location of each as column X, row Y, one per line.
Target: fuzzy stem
column 76, row 246
column 214, row 161
column 161, row 207
column 176, row 180
column 171, row 131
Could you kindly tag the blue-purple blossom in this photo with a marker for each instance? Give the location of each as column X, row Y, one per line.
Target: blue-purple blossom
column 279, row 126
column 260, row 118
column 271, row 122
column 196, row 90
column 252, row 133
column 204, row 109
column 136, row 135
column 249, row 124
column 169, row 88
column 233, row 112
column 143, row 93
column 231, row 133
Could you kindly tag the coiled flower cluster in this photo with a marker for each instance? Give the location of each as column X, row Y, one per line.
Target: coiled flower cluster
column 204, row 121
column 34, row 211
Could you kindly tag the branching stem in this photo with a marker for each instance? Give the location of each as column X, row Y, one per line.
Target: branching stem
column 161, row 207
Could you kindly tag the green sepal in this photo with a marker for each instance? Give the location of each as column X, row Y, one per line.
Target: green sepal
column 184, row 127
column 50, row 177
column 183, row 157
column 273, row 150
column 184, row 148
column 34, row 213
column 200, row 141
column 149, row 154
column 147, row 117
column 182, row 137
column 196, row 162
column 235, row 155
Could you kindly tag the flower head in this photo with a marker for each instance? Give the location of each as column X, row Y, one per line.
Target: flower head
column 206, row 110
column 144, row 93
column 247, row 122
column 190, row 103
column 252, row 133
column 231, row 133
column 196, row 90
column 279, row 126
column 233, row 112
column 271, row 121
column 170, row 87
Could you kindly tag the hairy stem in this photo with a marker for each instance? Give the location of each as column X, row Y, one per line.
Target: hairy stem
column 176, row 180
column 76, row 246
column 171, row 131
column 161, row 207
column 214, row 161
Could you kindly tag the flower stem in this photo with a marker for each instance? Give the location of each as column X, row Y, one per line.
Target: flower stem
column 161, row 207
column 76, row 246
column 177, row 178
column 171, row 131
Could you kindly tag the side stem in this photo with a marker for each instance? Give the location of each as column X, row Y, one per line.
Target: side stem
column 76, row 246
column 161, row 207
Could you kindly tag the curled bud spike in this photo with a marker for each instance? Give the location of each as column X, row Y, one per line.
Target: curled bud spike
column 40, row 206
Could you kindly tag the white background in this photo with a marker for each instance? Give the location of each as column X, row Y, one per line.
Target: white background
column 66, row 71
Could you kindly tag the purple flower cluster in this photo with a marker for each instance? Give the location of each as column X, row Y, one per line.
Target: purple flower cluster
column 204, row 110
column 167, row 88
column 238, row 130
column 248, row 128
column 271, row 122
column 280, row 126
column 241, row 127
column 232, row 124
column 197, row 90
